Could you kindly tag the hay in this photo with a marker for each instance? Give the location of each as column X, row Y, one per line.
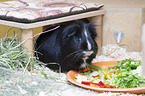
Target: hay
column 15, row 58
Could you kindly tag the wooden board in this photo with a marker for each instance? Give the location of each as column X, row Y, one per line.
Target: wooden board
column 52, row 21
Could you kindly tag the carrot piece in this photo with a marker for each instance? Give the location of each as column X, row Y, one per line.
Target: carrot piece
column 97, row 76
column 108, row 74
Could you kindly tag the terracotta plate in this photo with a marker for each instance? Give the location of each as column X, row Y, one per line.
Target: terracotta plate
column 71, row 74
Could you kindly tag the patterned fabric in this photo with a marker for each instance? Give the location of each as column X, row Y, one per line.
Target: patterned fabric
column 28, row 11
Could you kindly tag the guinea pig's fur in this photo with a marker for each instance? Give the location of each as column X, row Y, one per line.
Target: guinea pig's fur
column 72, row 46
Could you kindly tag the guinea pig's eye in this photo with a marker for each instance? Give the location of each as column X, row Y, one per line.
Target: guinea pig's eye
column 79, row 39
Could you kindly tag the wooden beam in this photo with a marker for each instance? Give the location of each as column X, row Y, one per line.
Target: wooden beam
column 26, row 38
column 143, row 49
column 98, row 22
column 52, row 21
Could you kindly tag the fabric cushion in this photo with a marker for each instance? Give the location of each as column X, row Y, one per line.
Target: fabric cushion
column 29, row 11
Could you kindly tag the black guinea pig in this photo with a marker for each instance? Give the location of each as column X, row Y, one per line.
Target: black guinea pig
column 72, row 46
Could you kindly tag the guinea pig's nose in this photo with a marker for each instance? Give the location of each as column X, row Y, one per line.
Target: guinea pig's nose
column 87, row 53
column 90, row 52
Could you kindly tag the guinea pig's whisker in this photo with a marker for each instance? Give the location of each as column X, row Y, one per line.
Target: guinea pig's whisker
column 77, row 57
column 38, row 47
column 69, row 55
column 72, row 53
column 37, row 54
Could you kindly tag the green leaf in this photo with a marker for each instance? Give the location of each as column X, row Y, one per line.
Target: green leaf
column 92, row 66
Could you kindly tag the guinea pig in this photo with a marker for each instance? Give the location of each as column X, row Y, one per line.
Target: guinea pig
column 72, row 46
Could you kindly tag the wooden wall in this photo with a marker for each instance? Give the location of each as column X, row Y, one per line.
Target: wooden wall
column 118, row 3
column 127, row 20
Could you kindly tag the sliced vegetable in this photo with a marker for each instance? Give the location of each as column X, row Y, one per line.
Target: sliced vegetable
column 100, row 84
column 97, row 76
column 91, row 66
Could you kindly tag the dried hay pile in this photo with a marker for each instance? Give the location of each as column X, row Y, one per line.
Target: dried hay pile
column 21, row 74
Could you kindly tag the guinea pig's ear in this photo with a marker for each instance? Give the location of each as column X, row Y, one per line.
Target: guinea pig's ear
column 91, row 27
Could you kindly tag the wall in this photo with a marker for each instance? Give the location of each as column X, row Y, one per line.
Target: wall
column 119, row 3
column 127, row 20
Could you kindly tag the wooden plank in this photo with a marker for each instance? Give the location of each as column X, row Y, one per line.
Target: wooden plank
column 98, row 22
column 143, row 49
column 26, row 38
column 52, row 21
column 143, row 42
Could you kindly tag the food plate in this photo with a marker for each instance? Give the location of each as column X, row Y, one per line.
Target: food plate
column 71, row 74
